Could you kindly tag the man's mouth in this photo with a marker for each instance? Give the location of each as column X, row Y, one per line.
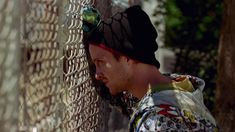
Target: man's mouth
column 105, row 81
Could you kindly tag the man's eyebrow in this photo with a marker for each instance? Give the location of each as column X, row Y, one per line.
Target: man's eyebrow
column 95, row 59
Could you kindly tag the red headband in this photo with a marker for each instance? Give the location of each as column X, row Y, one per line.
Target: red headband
column 103, row 46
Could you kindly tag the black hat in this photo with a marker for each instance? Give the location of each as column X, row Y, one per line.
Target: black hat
column 129, row 33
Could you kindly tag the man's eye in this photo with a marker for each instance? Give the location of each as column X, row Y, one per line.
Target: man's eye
column 99, row 63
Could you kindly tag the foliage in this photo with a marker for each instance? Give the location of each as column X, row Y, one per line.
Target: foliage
column 192, row 32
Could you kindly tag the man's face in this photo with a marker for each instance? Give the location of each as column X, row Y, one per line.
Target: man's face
column 115, row 74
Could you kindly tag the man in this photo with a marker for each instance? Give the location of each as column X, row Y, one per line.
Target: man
column 122, row 49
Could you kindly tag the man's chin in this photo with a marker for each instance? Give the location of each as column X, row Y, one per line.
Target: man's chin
column 112, row 91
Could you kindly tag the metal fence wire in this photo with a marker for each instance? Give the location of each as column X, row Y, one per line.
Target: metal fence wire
column 9, row 65
column 45, row 83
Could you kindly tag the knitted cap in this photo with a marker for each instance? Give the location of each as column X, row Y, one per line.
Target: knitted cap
column 129, row 33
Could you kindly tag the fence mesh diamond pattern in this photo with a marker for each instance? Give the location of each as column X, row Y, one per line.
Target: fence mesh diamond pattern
column 45, row 83
column 9, row 65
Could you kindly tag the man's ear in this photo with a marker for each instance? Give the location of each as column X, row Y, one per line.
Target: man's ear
column 128, row 60
column 124, row 58
column 134, row 61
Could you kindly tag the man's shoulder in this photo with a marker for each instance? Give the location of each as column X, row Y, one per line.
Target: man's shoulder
column 167, row 117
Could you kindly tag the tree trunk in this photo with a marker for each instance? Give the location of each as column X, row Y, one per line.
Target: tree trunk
column 225, row 95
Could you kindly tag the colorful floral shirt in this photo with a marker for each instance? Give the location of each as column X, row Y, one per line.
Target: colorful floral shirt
column 177, row 109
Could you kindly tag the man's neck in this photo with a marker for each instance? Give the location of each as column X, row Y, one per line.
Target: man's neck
column 144, row 78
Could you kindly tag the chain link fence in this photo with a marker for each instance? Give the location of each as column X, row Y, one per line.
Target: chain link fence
column 9, row 65
column 45, row 83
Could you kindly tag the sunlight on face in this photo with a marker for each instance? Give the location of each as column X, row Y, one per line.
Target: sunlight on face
column 112, row 72
column 108, row 65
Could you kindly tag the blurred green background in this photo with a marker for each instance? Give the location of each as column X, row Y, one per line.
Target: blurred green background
column 192, row 32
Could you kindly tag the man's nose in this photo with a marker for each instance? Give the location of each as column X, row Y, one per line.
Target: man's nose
column 99, row 75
